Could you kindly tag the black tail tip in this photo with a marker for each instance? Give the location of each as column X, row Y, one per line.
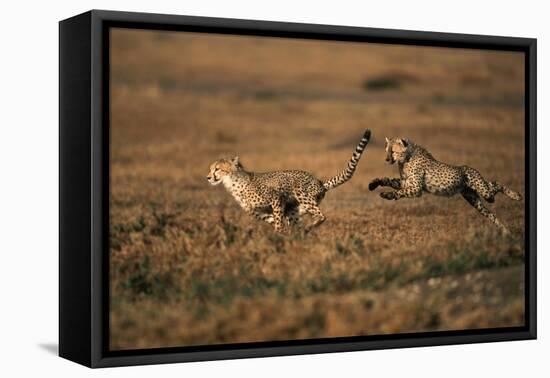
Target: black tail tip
column 366, row 135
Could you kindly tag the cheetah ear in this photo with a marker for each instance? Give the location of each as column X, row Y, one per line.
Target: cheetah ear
column 235, row 161
column 403, row 142
column 387, row 140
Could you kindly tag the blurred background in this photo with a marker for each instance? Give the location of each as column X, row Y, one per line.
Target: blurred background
column 188, row 267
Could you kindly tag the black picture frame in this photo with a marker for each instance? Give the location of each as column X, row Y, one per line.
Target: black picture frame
column 84, row 187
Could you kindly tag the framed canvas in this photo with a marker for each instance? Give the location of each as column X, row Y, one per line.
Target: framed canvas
column 234, row 188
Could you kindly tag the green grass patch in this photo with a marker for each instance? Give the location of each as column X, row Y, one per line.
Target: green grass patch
column 470, row 258
column 382, row 83
column 119, row 234
column 225, row 289
column 266, row 95
column 143, row 281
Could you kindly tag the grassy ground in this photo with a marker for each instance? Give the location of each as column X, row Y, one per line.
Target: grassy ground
column 188, row 267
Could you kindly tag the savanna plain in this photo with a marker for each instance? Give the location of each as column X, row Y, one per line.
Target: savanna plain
column 189, row 267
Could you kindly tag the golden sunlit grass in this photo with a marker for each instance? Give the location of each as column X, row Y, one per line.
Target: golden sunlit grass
column 188, row 267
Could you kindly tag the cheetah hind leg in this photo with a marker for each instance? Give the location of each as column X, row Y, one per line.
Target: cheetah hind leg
column 487, row 189
column 496, row 187
column 475, row 200
column 318, row 216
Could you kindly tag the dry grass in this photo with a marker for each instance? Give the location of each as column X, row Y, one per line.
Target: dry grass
column 188, row 267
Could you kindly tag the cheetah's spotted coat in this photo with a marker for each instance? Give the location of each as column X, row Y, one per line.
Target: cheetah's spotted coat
column 280, row 195
column 421, row 172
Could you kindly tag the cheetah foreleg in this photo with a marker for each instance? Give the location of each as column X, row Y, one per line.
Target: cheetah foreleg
column 262, row 216
column 410, row 188
column 410, row 192
column 394, row 183
column 293, row 217
column 278, row 211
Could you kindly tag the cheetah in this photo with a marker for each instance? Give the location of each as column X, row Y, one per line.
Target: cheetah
column 278, row 196
column 421, row 172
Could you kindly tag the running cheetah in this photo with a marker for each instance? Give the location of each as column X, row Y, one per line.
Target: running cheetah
column 420, row 171
column 278, row 195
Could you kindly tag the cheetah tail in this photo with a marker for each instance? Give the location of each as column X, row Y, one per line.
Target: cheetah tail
column 347, row 173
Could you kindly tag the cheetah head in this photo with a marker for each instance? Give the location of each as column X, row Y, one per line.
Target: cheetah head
column 396, row 150
column 223, row 169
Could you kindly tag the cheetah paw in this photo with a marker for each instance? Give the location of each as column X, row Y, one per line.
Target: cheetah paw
column 373, row 185
column 388, row 195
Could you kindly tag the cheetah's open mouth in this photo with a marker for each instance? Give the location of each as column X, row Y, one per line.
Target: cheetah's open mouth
column 213, row 181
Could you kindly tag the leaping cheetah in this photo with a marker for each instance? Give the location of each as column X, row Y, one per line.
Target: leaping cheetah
column 278, row 195
column 420, row 171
